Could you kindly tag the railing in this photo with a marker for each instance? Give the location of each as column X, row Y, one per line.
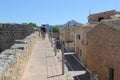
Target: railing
column 93, row 75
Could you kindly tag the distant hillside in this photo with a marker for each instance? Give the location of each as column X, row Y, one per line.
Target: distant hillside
column 72, row 23
column 48, row 26
column 69, row 23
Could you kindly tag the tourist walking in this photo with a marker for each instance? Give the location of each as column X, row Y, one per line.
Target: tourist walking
column 43, row 31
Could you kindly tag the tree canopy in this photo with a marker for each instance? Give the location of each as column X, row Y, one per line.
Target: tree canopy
column 54, row 29
column 30, row 24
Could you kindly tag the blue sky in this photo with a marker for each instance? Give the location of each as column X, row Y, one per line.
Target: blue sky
column 52, row 11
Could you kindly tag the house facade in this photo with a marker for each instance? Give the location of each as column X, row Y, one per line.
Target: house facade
column 104, row 50
column 64, row 34
column 67, row 36
column 70, row 44
column 81, row 41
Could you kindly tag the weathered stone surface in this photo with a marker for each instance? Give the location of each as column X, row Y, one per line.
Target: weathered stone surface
column 14, row 60
column 104, row 49
column 11, row 32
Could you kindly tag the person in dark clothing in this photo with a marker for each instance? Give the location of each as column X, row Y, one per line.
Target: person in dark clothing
column 43, row 31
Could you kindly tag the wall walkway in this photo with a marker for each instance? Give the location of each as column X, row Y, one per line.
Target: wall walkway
column 43, row 64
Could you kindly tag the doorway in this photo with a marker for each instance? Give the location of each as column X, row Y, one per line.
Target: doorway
column 111, row 74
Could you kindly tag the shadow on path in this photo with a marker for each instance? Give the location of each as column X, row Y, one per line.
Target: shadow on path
column 54, row 76
column 78, row 71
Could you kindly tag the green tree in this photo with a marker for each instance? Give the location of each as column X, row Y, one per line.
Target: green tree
column 33, row 24
column 55, row 29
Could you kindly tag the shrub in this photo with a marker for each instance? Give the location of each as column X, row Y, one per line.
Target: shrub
column 1, row 25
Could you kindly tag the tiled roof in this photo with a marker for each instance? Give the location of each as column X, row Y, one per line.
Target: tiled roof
column 112, row 23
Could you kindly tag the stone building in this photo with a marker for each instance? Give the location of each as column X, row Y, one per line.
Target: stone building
column 11, row 32
column 99, row 16
column 64, row 34
column 67, row 36
column 104, row 49
column 81, row 41
column 70, row 44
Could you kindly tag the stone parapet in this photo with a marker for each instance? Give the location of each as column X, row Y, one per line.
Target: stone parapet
column 14, row 60
column 11, row 32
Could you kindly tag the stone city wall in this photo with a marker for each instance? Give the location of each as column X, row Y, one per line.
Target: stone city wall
column 14, row 60
column 10, row 32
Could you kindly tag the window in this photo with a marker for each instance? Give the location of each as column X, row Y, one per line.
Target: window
column 111, row 74
column 79, row 37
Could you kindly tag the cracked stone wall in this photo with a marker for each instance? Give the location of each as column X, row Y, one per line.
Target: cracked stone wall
column 10, row 32
column 14, row 60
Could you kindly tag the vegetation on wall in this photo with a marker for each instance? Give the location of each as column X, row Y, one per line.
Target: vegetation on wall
column 25, row 24
column 33, row 24
column 30, row 24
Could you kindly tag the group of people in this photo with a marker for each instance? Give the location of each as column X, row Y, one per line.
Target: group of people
column 42, row 31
